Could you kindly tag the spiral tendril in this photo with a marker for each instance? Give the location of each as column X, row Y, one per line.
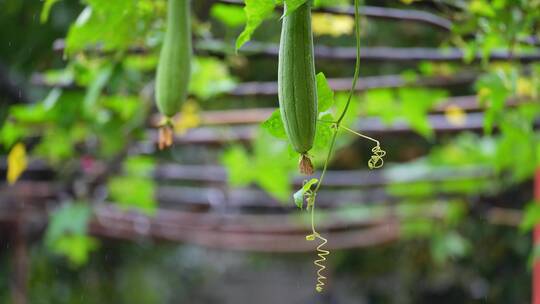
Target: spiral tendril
column 376, row 161
column 322, row 253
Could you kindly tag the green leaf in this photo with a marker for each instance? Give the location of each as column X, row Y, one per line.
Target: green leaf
column 382, row 103
column 492, row 92
column 531, row 217
column 230, row 15
column 256, row 11
column 237, row 163
column 111, row 25
column 210, row 78
column 76, row 248
column 272, row 165
column 415, row 228
column 55, row 145
column 330, row 3
column 126, row 107
column 66, row 233
column 10, row 133
column 415, row 106
column 140, row 165
column 512, row 153
column 269, row 165
column 46, row 10
column 274, row 125
column 96, row 87
column 325, row 94
column 449, row 245
column 298, row 196
column 133, row 192
column 323, row 133
column 292, row 5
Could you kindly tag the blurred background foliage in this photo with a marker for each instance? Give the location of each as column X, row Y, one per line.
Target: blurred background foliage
column 87, row 98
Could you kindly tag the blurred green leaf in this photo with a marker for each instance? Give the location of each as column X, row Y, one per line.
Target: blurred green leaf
column 10, row 134
column 415, row 106
column 416, row 189
column 268, row 166
column 379, row 102
column 325, row 94
column 96, row 87
column 30, row 114
column 492, row 92
column 238, row 165
column 139, row 165
column 274, row 125
column 292, row 5
column 66, row 233
column 210, row 77
column 531, row 216
column 112, row 25
column 516, row 150
column 330, row 3
column 55, row 145
column 323, row 134
column 46, row 10
column 76, row 248
column 125, row 106
column 449, row 245
column 256, row 11
column 230, row 15
column 272, row 165
column 414, row 228
column 133, row 192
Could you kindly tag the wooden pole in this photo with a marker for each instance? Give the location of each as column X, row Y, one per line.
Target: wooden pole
column 536, row 242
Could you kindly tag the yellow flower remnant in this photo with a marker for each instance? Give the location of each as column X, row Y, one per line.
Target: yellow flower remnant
column 189, row 118
column 333, row 25
column 17, row 163
column 455, row 115
column 525, row 88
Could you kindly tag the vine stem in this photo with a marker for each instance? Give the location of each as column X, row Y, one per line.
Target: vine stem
column 361, row 135
column 322, row 253
column 337, row 123
column 357, row 64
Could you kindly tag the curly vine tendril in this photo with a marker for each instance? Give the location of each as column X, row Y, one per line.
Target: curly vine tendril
column 375, row 162
column 321, row 252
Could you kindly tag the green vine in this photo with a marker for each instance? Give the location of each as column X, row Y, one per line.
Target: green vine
column 375, row 162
